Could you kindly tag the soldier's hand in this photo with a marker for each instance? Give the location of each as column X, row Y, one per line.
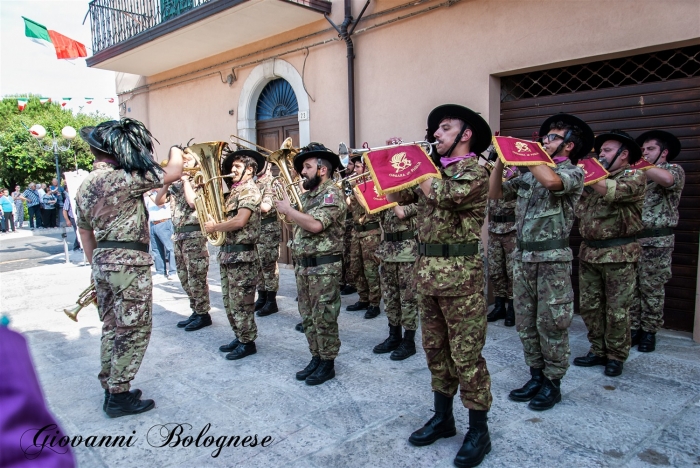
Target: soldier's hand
column 283, row 206
column 210, row 226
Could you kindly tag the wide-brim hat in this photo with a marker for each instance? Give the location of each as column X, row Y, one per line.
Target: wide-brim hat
column 587, row 138
column 631, row 145
column 481, row 135
column 91, row 138
column 316, row 150
column 227, row 163
column 673, row 143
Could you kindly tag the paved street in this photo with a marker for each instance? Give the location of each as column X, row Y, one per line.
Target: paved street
column 650, row 416
column 27, row 249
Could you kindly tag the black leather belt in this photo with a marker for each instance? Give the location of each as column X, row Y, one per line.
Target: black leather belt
column 601, row 244
column 543, row 245
column 503, row 219
column 366, row 227
column 122, row 245
column 399, row 236
column 348, row 215
column 237, row 248
column 654, row 232
column 269, row 220
column 188, row 228
column 316, row 261
column 448, row 250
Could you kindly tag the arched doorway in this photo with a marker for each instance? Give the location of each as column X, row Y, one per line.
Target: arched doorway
column 276, row 115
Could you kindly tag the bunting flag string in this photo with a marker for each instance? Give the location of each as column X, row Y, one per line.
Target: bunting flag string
column 64, row 102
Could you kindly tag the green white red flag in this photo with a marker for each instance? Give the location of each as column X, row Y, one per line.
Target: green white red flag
column 22, row 103
column 64, row 101
column 44, row 100
column 66, row 48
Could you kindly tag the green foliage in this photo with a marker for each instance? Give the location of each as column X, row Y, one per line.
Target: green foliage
column 22, row 160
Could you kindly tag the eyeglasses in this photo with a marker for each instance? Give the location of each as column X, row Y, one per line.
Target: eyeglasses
column 551, row 137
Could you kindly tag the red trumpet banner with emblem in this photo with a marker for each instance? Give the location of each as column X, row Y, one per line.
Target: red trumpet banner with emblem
column 400, row 167
column 517, row 152
column 642, row 165
column 370, row 199
column 593, row 171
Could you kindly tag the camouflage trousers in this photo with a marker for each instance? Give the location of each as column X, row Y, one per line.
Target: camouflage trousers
column 400, row 302
column 606, row 296
column 346, row 277
column 238, row 293
column 500, row 250
column 364, row 268
column 124, row 304
column 319, row 306
column 269, row 252
column 192, row 261
column 454, row 333
column 544, row 307
column 653, row 272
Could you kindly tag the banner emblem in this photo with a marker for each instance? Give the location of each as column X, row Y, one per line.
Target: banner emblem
column 400, row 161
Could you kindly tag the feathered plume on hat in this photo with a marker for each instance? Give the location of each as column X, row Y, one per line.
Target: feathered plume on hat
column 130, row 142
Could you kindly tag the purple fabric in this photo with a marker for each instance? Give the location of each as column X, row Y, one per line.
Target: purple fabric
column 559, row 159
column 23, row 411
column 451, row 160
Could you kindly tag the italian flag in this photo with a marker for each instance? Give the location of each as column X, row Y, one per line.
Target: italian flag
column 64, row 101
column 66, row 48
column 22, row 103
column 44, row 100
column 88, row 100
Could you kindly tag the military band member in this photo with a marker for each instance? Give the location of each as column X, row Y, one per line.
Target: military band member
column 610, row 216
column 502, row 241
column 542, row 290
column 318, row 254
column 238, row 259
column 190, row 245
column 449, row 278
column 113, row 224
column 660, row 215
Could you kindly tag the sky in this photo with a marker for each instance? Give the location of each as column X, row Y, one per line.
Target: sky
column 27, row 67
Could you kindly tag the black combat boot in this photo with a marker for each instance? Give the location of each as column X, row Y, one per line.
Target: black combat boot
column 613, row 368
column 647, row 342
column 262, row 298
column 299, row 327
column 499, row 310
column 359, row 305
column 227, row 348
column 510, row 315
column 241, row 351
column 590, row 360
column 477, row 442
column 372, row 312
column 528, row 391
column 324, row 371
column 187, row 321
column 548, row 396
column 270, row 306
column 442, row 424
column 390, row 343
column 348, row 289
column 136, row 392
column 200, row 321
column 125, row 403
column 309, row 369
column 407, row 348
column 636, row 336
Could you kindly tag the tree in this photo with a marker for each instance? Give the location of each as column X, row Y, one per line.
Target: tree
column 21, row 159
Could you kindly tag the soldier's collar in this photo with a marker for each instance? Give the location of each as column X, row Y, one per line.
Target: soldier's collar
column 620, row 170
column 321, row 187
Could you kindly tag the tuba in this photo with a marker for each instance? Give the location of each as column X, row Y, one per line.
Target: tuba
column 209, row 202
column 87, row 297
column 283, row 158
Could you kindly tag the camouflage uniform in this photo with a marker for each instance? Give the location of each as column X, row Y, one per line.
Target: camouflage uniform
column 607, row 273
column 318, row 286
column 364, row 264
column 110, row 203
column 396, row 268
column 542, row 292
column 502, row 240
column 654, row 266
column 347, row 277
column 451, row 289
column 191, row 254
column 239, row 270
column 270, row 237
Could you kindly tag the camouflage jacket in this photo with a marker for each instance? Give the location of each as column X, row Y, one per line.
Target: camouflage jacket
column 265, row 185
column 616, row 214
column 110, row 203
column 243, row 195
column 501, row 207
column 183, row 214
column 545, row 215
column 326, row 203
column 401, row 251
column 453, row 214
column 360, row 216
column 661, row 206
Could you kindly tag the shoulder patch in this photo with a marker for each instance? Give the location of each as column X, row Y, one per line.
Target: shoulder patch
column 630, row 171
column 329, row 199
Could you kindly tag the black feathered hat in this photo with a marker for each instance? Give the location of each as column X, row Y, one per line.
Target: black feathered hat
column 672, row 142
column 481, row 135
column 315, row 150
column 624, row 138
column 230, row 156
column 587, row 137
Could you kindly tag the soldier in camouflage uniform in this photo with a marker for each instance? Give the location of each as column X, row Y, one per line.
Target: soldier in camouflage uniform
column 449, row 278
column 113, row 224
column 190, row 245
column 238, row 259
column 544, row 297
column 502, row 240
column 269, row 245
column 660, row 215
column 364, row 264
column 347, row 280
column 398, row 252
column 318, row 254
column 610, row 216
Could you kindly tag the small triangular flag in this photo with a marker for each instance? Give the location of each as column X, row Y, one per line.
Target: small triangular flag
column 110, row 100
column 64, row 101
column 22, row 103
column 44, row 100
column 88, row 100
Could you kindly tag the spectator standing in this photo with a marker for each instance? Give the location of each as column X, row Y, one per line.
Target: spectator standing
column 69, row 219
column 48, row 215
column 7, row 205
column 161, row 228
column 57, row 191
column 31, row 196
column 41, row 190
column 19, row 207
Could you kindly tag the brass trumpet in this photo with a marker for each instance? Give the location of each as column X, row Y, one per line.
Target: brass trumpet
column 87, row 297
column 344, row 150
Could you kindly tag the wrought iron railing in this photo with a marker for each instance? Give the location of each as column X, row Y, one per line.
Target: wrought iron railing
column 114, row 21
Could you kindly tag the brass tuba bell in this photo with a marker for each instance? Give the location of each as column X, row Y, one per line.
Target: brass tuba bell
column 209, row 202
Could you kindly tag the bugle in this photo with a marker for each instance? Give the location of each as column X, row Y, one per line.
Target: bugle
column 87, row 297
column 344, row 150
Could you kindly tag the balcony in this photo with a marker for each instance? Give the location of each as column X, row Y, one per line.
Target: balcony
column 146, row 37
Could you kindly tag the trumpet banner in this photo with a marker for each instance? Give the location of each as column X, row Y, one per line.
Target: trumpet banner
column 593, row 171
column 517, row 152
column 370, row 199
column 400, row 167
column 642, row 165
